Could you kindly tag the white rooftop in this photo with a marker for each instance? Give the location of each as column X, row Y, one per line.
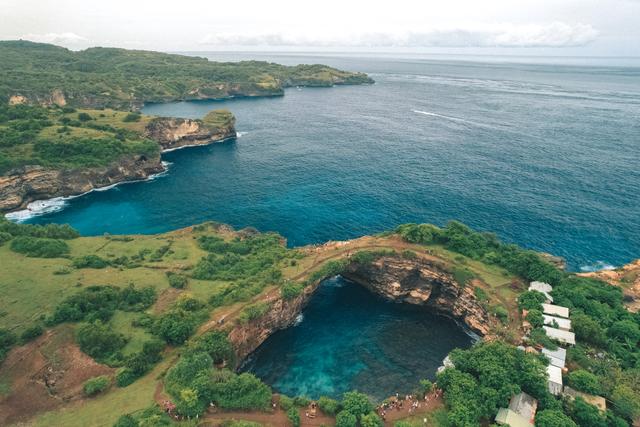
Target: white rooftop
column 555, row 310
column 542, row 287
column 555, row 379
column 560, row 335
column 564, row 324
column 556, row 357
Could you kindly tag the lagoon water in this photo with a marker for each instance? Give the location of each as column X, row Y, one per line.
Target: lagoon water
column 544, row 155
column 351, row 339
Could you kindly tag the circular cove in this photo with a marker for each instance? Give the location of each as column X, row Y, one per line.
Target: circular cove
column 350, row 339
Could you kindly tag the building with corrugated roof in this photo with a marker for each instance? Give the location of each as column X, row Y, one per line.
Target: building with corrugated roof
column 562, row 323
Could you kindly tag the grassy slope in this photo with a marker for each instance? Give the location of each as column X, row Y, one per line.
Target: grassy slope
column 29, row 288
column 122, row 78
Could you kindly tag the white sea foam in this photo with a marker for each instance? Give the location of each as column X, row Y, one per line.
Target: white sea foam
column 240, row 134
column 455, row 119
column 597, row 266
column 43, row 207
column 299, row 319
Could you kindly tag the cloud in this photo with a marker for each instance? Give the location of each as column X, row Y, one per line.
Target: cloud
column 555, row 34
column 64, row 39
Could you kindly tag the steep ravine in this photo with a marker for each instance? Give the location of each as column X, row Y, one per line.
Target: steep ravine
column 416, row 281
column 24, row 185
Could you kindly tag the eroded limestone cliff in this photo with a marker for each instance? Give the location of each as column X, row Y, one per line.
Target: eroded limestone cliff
column 413, row 281
column 27, row 184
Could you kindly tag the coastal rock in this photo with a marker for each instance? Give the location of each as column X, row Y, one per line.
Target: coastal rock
column 172, row 133
column 421, row 282
column 24, row 185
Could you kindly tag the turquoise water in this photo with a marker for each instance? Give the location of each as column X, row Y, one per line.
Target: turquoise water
column 351, row 339
column 544, row 155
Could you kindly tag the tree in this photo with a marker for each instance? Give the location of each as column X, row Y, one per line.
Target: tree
column 99, row 340
column 535, row 318
column 584, row 381
column 294, row 417
column 189, row 404
column 553, row 418
column 588, row 330
column 328, row 406
column 96, row 385
column 586, row 415
column 531, row 300
column 346, row 419
column 217, row 345
column 625, row 331
column 371, row 420
column 356, row 403
column 626, row 401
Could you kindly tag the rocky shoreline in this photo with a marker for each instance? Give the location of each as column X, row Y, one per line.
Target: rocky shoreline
column 411, row 281
column 23, row 186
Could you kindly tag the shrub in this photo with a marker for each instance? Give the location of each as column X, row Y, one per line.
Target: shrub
column 408, row 254
column 286, row 402
column 84, row 117
column 291, row 290
column 99, row 340
column 294, row 417
column 531, row 300
column 328, row 406
column 7, row 340
column 346, row 419
column 584, row 381
column 217, row 345
column 535, row 318
column 356, row 403
column 626, row 401
column 301, row 401
column 31, row 333
column 253, row 311
column 4, row 237
column 96, row 385
column 176, row 280
column 501, row 313
column 39, row 247
column 132, row 117
column 90, row 261
column 553, row 418
column 588, row 330
column 371, row 420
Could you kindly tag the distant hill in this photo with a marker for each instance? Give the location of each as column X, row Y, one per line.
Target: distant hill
column 125, row 79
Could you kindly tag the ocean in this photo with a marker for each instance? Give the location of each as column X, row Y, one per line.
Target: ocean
column 545, row 155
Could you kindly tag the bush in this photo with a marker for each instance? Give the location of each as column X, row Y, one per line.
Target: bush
column 356, row 403
column 254, row 311
column 553, row 418
column 7, row 340
column 294, row 417
column 286, row 402
column 329, row 406
column 244, row 392
column 371, row 420
column 39, row 247
column 291, row 290
column 132, row 117
column 535, row 318
column 99, row 340
column 90, row 261
column 96, row 385
column 31, row 333
column 176, row 280
column 217, row 345
column 4, row 237
column 346, row 419
column 501, row 313
column 531, row 300
column 178, row 324
column 584, row 381
column 84, row 117
column 626, row 401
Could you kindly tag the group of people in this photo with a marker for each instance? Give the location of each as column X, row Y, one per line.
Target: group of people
column 412, row 401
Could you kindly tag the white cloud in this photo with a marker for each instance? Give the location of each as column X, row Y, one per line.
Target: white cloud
column 555, row 34
column 67, row 39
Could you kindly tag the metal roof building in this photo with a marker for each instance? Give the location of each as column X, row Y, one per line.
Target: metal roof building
column 556, row 357
column 521, row 411
column 555, row 310
column 543, row 288
column 565, row 337
column 555, row 380
column 564, row 324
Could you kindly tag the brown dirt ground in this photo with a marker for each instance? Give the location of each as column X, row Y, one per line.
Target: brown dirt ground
column 44, row 375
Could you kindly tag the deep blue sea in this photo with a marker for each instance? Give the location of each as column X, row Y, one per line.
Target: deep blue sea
column 546, row 156
column 347, row 338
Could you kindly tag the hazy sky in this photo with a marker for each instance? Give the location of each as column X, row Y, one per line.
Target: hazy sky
column 553, row 27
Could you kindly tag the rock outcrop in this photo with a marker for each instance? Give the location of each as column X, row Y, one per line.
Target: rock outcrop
column 24, row 185
column 172, row 133
column 415, row 281
column 27, row 184
column 421, row 282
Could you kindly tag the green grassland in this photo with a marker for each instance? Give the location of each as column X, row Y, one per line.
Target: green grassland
column 122, row 79
column 66, row 138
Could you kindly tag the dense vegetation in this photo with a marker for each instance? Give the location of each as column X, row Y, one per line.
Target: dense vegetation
column 64, row 138
column 119, row 78
column 607, row 357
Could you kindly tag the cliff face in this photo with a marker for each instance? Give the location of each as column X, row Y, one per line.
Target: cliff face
column 282, row 314
column 421, row 282
column 408, row 281
column 172, row 133
column 25, row 185
column 22, row 186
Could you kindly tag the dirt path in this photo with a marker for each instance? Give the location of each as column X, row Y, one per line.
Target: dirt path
column 277, row 418
column 392, row 415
